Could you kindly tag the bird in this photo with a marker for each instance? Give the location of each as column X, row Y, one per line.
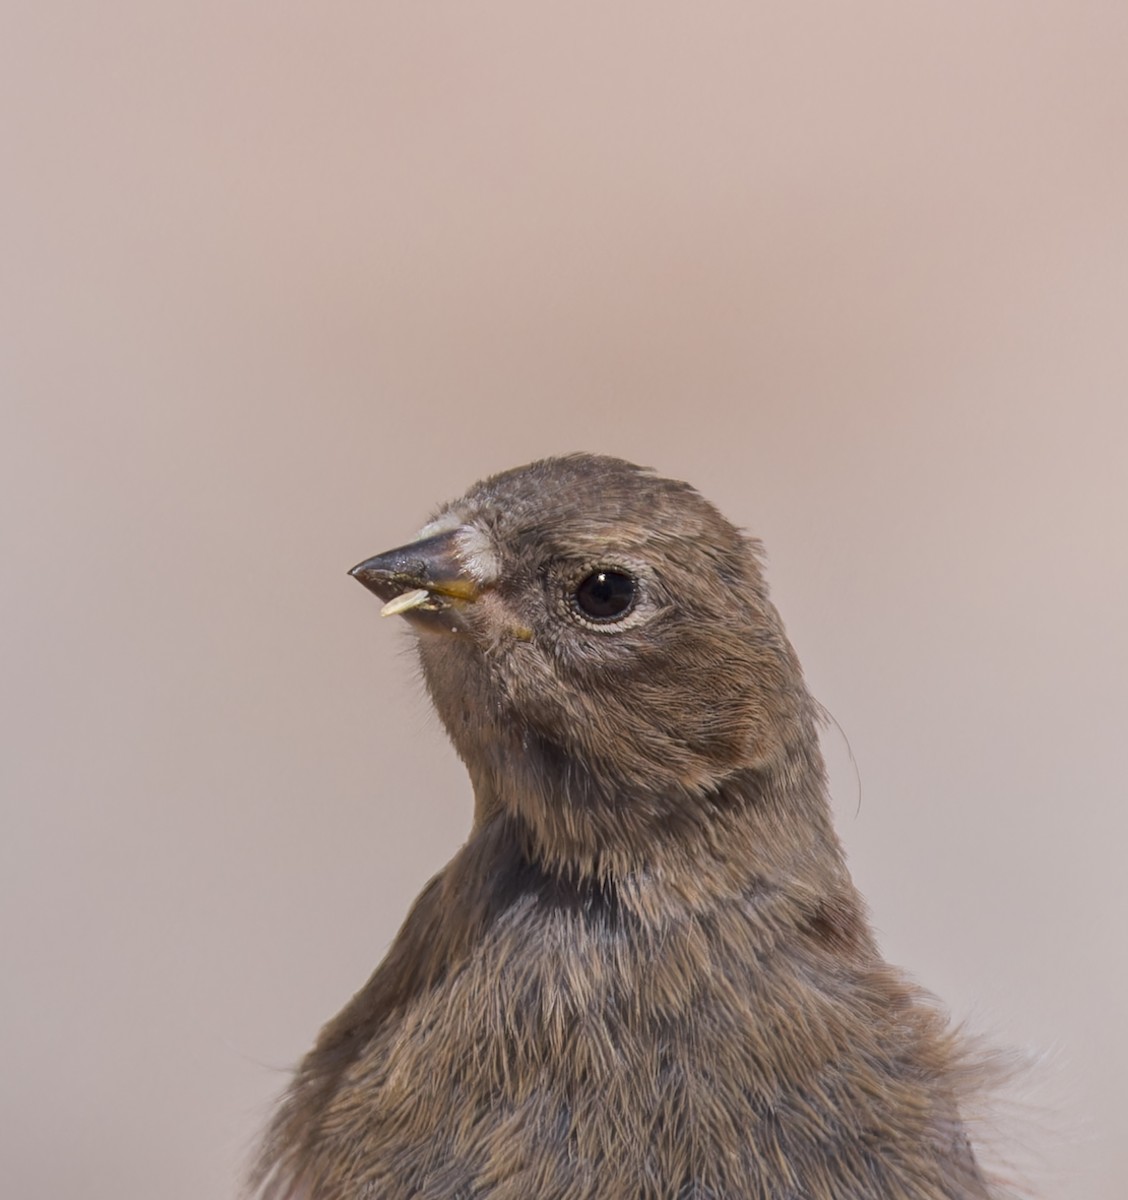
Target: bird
column 647, row 974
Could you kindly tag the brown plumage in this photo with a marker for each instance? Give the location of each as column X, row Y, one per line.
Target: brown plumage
column 647, row 974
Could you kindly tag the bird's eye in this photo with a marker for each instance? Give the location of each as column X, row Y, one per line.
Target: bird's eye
column 605, row 595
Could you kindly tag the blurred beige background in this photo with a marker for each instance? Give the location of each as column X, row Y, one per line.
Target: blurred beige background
column 276, row 278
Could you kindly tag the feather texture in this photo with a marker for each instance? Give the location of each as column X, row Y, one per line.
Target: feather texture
column 647, row 975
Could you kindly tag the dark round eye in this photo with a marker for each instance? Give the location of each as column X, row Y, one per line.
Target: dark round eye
column 605, row 596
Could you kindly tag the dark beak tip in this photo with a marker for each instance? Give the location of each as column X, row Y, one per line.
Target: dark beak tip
column 369, row 570
column 369, row 575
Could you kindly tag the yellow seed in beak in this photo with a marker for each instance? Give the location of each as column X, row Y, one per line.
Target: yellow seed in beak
column 406, row 602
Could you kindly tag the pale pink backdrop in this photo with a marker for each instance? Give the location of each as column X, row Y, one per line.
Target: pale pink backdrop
column 277, row 277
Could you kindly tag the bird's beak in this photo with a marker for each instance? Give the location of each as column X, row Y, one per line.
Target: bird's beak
column 422, row 577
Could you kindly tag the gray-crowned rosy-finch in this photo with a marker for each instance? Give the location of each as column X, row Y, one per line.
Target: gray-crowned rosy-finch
column 647, row 974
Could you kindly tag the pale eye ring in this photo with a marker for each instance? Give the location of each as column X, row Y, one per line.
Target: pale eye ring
column 605, row 595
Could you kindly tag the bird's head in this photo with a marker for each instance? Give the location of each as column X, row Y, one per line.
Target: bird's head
column 600, row 645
